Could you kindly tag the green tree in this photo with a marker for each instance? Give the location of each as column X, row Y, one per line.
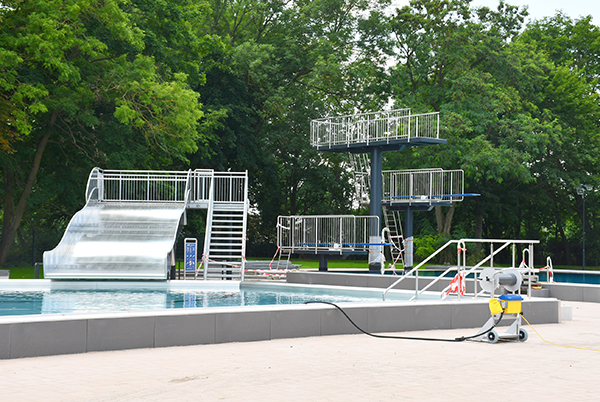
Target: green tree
column 465, row 63
column 73, row 71
column 571, row 98
column 287, row 63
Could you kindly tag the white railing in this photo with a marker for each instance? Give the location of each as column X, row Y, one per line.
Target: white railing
column 200, row 181
column 423, row 186
column 138, row 185
column 230, row 187
column 327, row 233
column 366, row 128
column 461, row 265
column 166, row 186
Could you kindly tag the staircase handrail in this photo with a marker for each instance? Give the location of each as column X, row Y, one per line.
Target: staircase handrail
column 207, row 234
column 244, row 225
column 505, row 243
column 473, row 268
column 426, row 260
column 89, row 188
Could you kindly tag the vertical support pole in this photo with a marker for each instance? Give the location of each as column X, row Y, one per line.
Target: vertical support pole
column 530, row 270
column 376, row 194
column 583, row 226
column 322, row 263
column 33, row 246
column 409, row 247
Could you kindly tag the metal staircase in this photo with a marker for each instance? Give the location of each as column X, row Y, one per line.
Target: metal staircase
column 361, row 169
column 394, row 225
column 225, row 240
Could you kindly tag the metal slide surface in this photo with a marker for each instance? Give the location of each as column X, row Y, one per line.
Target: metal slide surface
column 116, row 240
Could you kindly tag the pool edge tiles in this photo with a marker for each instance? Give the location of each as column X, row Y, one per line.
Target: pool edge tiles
column 148, row 329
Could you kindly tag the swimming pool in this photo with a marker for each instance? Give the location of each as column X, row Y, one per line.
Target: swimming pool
column 51, row 297
column 43, row 334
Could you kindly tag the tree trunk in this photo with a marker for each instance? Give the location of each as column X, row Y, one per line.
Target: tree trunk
column 444, row 222
column 565, row 244
column 479, row 222
column 444, row 226
column 439, row 219
column 12, row 220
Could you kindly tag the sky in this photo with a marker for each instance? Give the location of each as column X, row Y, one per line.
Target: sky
column 543, row 8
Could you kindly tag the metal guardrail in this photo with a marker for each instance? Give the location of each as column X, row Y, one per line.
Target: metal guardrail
column 373, row 127
column 230, row 187
column 137, row 185
column 166, row 186
column 423, row 186
column 327, row 233
column 462, row 260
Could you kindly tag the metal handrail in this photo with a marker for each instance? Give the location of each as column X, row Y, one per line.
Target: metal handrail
column 425, row 261
column 330, row 233
column 207, row 235
column 423, row 185
column 505, row 243
column 373, row 127
column 472, row 269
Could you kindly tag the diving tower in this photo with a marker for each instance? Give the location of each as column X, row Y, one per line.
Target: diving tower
column 129, row 224
column 371, row 134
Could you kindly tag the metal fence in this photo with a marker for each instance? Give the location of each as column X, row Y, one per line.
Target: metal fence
column 137, row 185
column 230, row 187
column 373, row 127
column 166, row 186
column 331, row 233
column 423, row 186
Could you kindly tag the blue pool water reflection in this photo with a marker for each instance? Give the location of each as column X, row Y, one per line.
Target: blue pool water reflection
column 60, row 301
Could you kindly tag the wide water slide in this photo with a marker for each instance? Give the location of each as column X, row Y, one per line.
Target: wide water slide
column 128, row 226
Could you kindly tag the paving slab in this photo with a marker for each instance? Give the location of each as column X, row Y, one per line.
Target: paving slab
column 328, row 368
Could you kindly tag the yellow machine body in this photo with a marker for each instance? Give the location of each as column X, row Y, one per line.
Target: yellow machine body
column 512, row 306
column 495, row 306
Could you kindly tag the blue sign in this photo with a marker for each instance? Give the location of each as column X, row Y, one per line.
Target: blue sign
column 190, row 255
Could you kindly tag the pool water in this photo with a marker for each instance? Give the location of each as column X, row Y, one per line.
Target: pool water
column 62, row 301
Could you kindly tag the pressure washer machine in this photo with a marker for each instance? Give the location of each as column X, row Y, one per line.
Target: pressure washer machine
column 505, row 306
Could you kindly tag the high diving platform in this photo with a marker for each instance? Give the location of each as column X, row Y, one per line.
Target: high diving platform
column 365, row 136
column 386, row 130
column 129, row 225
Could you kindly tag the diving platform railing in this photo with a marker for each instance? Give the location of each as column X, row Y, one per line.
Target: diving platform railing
column 420, row 186
column 461, row 268
column 413, row 186
column 329, row 234
column 373, row 128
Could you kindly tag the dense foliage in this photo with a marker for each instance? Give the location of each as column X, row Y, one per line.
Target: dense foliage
column 233, row 84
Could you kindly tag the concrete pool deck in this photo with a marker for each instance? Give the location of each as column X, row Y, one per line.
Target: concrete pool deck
column 332, row 368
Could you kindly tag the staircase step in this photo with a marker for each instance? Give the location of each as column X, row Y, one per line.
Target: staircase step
column 213, row 244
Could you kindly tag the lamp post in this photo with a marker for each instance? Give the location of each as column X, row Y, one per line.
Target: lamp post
column 581, row 191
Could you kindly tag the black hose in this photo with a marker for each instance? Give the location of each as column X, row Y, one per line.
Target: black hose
column 413, row 338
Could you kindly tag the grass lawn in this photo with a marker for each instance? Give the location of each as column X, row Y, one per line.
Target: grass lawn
column 314, row 263
column 23, row 273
